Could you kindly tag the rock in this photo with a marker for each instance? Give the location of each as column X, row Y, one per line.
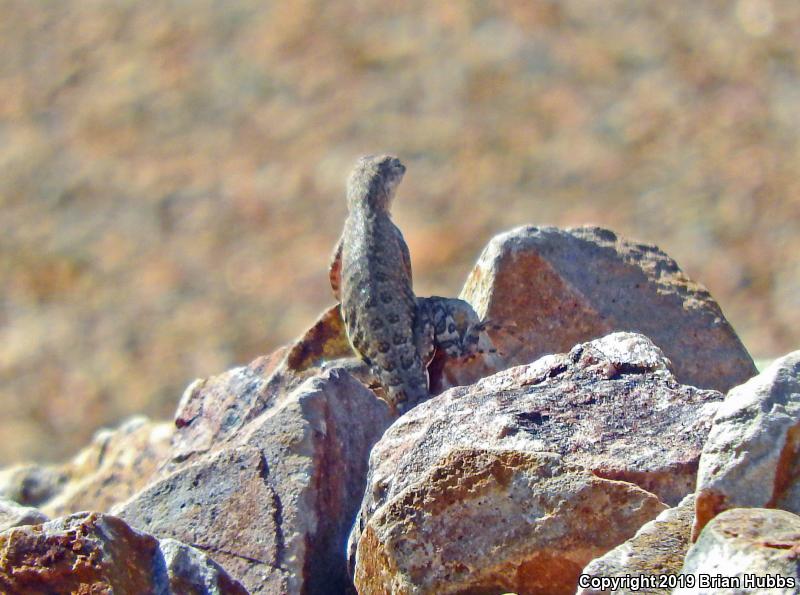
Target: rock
column 754, row 549
column 31, row 484
column 554, row 288
column 266, row 465
column 751, row 457
column 544, row 290
column 97, row 553
column 610, row 407
column 224, row 506
column 113, row 466
column 657, row 549
column 214, row 410
column 486, row 520
column 15, row 515
column 190, row 571
column 272, row 501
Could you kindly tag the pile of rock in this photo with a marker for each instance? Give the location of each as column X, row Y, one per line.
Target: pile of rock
column 597, row 445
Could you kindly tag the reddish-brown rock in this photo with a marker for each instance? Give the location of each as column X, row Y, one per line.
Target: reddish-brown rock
column 268, row 461
column 212, row 410
column 557, row 287
column 96, row 553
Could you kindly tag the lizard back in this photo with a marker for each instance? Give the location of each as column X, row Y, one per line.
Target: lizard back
column 378, row 302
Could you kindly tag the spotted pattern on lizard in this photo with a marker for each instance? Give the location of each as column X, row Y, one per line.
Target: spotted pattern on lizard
column 393, row 332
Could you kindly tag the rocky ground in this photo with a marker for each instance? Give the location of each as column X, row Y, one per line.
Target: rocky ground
column 534, row 471
column 171, row 173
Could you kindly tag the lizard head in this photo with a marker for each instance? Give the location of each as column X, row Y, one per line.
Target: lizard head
column 373, row 182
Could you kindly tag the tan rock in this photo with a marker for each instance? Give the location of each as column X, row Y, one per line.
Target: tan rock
column 273, row 500
column 485, row 520
column 755, row 549
column 554, row 288
column 610, row 407
column 113, row 466
column 96, row 553
column 751, row 456
column 657, row 549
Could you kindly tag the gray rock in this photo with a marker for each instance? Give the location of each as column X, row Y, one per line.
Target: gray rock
column 30, row 484
column 746, row 544
column 273, row 501
column 553, row 288
column 190, row 571
column 225, row 506
column 15, row 515
column 750, row 457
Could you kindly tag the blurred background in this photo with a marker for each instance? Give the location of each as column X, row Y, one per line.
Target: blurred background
column 172, row 173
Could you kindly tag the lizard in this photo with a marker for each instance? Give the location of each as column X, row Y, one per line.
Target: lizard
column 394, row 332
